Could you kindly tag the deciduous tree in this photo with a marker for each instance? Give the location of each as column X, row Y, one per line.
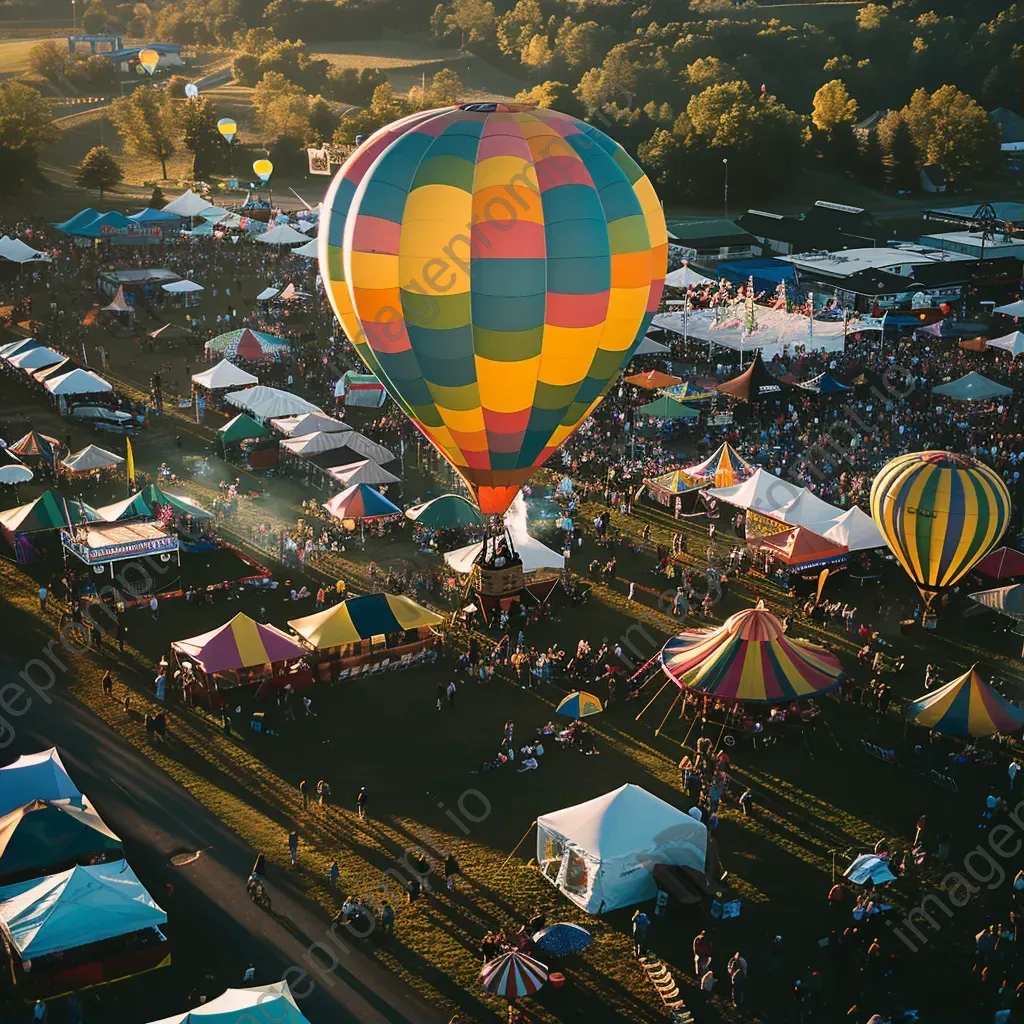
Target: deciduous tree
column 99, row 170
column 147, row 120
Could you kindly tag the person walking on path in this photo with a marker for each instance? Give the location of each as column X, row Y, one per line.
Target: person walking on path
column 451, row 870
column 293, row 847
column 43, row 595
column 440, row 694
column 737, row 968
column 701, row 953
column 304, row 793
column 154, row 607
column 632, row 591
column 108, row 684
column 1012, row 771
column 641, row 922
column 333, row 874
column 361, row 801
column 451, row 695
column 323, row 792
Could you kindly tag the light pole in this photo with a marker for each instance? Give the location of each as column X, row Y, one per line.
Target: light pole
column 74, row 18
column 725, row 162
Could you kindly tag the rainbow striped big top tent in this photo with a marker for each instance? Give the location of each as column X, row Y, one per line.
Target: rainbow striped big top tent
column 749, row 658
column 360, row 501
column 968, row 706
column 723, row 467
column 240, row 643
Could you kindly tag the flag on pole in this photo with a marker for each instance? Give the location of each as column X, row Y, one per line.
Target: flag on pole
column 129, row 465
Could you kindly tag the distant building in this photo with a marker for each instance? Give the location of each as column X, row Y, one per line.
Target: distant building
column 976, row 245
column 932, row 179
column 712, row 239
column 170, row 54
column 94, row 42
column 1010, row 124
column 824, row 226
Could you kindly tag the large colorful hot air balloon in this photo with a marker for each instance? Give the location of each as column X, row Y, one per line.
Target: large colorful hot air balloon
column 940, row 514
column 495, row 266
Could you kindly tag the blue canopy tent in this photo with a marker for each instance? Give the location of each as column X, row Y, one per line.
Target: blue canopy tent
column 151, row 216
column 73, row 225
column 768, row 272
column 825, row 384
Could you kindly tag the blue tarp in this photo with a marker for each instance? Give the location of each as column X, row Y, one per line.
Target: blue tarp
column 768, row 272
column 825, row 384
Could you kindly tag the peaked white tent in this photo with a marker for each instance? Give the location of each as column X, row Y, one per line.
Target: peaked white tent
column 316, row 443
column 78, row 382
column 224, row 375
column 16, row 251
column 283, row 234
column 309, row 423
column 39, row 776
column 310, row 250
column 648, row 346
column 1012, row 343
column 75, row 908
column 534, row 554
column 601, row 854
column 35, row 358
column 182, row 287
column 188, row 204
column 763, row 492
column 365, row 472
column 1011, row 309
column 273, row 1004
column 264, row 403
column 364, row 446
column 91, row 457
column 808, row 510
column 267, row 294
column 856, row 529
column 684, row 277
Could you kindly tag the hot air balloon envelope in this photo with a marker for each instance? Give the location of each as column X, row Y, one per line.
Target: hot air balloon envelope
column 149, row 59
column 940, row 514
column 494, row 266
column 191, row 90
column 263, row 169
column 227, row 127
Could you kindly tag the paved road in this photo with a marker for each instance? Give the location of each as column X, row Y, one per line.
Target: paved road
column 156, row 818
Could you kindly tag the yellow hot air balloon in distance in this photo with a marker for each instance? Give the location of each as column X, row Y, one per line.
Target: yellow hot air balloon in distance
column 940, row 514
column 227, row 127
column 263, row 169
column 149, row 58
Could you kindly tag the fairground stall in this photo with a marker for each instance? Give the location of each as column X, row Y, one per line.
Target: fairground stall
column 81, row 927
column 99, row 545
column 32, row 530
column 242, row 652
column 374, row 633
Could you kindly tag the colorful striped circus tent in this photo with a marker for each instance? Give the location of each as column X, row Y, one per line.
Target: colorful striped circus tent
column 241, row 643
column 361, row 501
column 361, row 618
column 749, row 658
column 966, row 707
column 723, row 468
column 1007, row 601
column 513, row 975
column 247, row 344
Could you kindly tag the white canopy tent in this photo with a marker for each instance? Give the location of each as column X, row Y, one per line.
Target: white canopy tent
column 273, row 1004
column 224, row 375
column 78, row 382
column 1012, row 343
column 364, row 446
column 91, row 457
column 683, row 277
column 308, row 423
column 601, row 854
column 35, row 359
column 774, row 332
column 316, row 443
column 283, row 234
column 808, row 510
column 265, row 403
column 1011, row 309
column 267, row 294
column 534, row 554
column 310, row 250
column 75, row 908
column 854, row 528
column 40, row 776
column 365, row 472
column 188, row 204
column 182, row 287
column 16, row 251
column 648, row 346
column 763, row 492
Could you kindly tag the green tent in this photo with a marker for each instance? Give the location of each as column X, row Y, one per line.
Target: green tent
column 50, row 511
column 44, row 838
column 241, row 428
column 141, row 505
column 666, row 408
column 449, row 511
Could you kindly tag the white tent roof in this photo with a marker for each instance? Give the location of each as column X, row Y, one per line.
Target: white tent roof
column 35, row 359
column 188, row 204
column 283, row 234
column 269, row 403
column 92, row 457
column 224, row 375
column 214, row 213
column 308, row 423
column 534, row 554
column 684, row 277
column 266, row 294
column 359, row 443
column 808, row 510
column 1012, row 343
column 763, row 492
column 310, row 250
column 365, row 472
column 271, row 1003
column 619, row 837
column 78, row 382
column 182, row 287
column 648, row 346
column 1011, row 309
column 76, row 907
column 39, row 776
column 15, row 250
column 856, row 529
column 775, row 330
column 317, row 442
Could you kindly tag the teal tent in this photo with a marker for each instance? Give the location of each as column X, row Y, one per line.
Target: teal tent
column 241, row 428
column 666, row 408
column 972, row 387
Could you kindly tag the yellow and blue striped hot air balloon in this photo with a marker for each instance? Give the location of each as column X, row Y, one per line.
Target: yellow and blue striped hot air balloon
column 940, row 514
column 495, row 266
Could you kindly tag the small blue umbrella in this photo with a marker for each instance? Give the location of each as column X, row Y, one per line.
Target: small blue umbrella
column 562, row 939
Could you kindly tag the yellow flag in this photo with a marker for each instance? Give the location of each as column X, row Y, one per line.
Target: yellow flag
column 822, row 576
column 130, row 466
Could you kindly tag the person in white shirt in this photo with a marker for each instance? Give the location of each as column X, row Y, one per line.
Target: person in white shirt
column 1012, row 771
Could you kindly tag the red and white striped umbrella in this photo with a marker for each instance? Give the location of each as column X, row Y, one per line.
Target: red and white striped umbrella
column 513, row 975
